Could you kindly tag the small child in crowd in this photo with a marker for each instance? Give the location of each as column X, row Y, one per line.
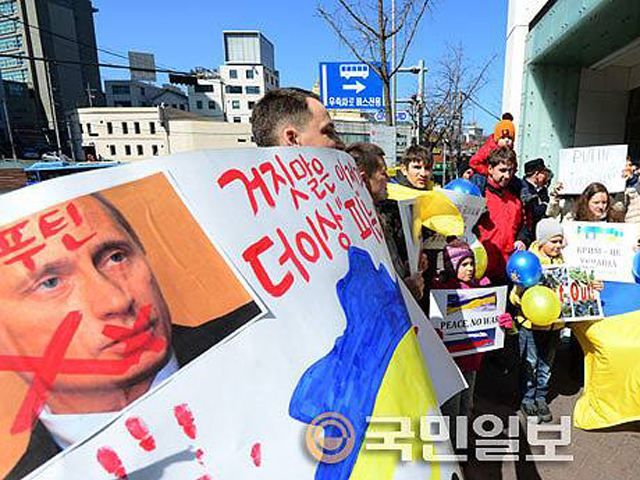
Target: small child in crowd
column 460, row 273
column 538, row 345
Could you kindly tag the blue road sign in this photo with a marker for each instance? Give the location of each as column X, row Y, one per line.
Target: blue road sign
column 350, row 85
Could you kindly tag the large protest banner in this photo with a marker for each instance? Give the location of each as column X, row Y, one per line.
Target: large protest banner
column 468, row 319
column 190, row 316
column 578, row 167
column 605, row 248
column 578, row 299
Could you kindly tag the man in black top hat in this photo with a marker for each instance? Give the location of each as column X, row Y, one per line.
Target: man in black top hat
column 534, row 194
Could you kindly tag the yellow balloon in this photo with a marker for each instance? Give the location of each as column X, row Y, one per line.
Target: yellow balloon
column 541, row 306
column 480, row 256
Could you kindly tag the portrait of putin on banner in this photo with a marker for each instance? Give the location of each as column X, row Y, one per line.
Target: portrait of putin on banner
column 102, row 298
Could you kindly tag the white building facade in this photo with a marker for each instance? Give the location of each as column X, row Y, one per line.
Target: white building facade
column 135, row 133
column 206, row 96
column 247, row 74
column 572, row 75
column 134, row 93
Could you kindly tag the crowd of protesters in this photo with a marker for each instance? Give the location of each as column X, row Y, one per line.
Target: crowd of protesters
column 521, row 213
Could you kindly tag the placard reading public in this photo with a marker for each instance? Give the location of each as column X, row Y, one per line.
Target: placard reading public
column 605, row 248
column 468, row 319
column 578, row 167
column 579, row 300
column 191, row 316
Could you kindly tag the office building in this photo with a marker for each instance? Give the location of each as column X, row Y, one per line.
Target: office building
column 572, row 75
column 56, row 30
column 134, row 93
column 248, row 72
column 135, row 133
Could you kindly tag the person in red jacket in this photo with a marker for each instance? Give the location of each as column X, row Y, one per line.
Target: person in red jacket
column 503, row 136
column 500, row 228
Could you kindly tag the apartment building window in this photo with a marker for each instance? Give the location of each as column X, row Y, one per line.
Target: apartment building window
column 235, row 104
column 7, row 26
column 203, row 88
column 154, row 150
column 233, row 74
column 237, row 119
column 139, row 150
column 16, row 76
column 250, row 74
column 8, row 8
column 152, row 128
column 112, row 150
column 142, row 91
column 136, row 127
column 212, row 105
column 110, row 128
column 81, row 129
column 120, row 90
column 251, row 105
column 127, row 150
column 233, row 89
column 252, row 90
column 125, row 128
column 199, row 104
column 10, row 62
column 11, row 43
column 89, row 129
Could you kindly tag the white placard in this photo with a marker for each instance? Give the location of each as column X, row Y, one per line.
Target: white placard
column 578, row 167
column 295, row 232
column 468, row 319
column 606, row 248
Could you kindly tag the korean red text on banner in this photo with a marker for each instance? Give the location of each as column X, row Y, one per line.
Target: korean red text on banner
column 17, row 246
column 307, row 181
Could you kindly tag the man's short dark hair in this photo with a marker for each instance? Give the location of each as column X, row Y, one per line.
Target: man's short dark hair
column 367, row 156
column 417, row 153
column 504, row 155
column 278, row 107
column 463, row 165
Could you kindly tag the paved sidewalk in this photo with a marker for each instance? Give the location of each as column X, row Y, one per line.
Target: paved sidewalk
column 610, row 455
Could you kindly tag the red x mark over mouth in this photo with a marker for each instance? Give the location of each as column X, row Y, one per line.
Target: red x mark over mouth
column 138, row 339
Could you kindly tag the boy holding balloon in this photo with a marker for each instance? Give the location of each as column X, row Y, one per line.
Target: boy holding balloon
column 538, row 315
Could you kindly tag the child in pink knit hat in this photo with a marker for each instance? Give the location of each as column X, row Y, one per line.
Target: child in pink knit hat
column 460, row 273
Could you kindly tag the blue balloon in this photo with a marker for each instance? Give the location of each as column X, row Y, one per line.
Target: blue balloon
column 524, row 269
column 636, row 267
column 463, row 186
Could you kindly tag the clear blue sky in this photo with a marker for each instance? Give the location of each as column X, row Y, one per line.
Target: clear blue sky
column 186, row 34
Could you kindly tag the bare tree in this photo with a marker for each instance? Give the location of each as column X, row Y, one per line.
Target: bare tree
column 365, row 26
column 456, row 82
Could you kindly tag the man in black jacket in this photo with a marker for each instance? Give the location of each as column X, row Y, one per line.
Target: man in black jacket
column 91, row 295
column 534, row 195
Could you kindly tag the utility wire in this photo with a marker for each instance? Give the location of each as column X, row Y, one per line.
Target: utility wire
column 99, row 64
column 68, row 39
column 484, row 109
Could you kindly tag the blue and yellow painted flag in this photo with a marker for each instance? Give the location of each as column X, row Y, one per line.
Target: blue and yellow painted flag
column 375, row 369
column 611, row 346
